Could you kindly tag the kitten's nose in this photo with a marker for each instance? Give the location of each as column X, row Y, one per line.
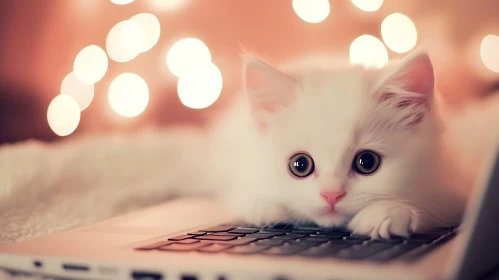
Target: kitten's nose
column 332, row 197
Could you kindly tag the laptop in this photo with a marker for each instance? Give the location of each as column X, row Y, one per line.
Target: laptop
column 196, row 238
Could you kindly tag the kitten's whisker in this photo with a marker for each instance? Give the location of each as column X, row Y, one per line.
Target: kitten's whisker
column 285, row 217
column 435, row 216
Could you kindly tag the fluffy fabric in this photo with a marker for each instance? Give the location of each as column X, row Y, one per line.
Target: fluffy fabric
column 49, row 188
column 323, row 108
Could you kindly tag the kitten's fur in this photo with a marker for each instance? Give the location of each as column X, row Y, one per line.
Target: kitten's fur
column 324, row 108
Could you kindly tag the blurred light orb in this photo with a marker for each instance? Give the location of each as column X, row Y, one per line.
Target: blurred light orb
column 399, row 33
column 90, row 64
column 150, row 29
column 200, row 87
column 132, row 37
column 63, row 115
column 81, row 93
column 313, row 11
column 167, row 5
column 369, row 51
column 125, row 41
column 489, row 51
column 128, row 95
column 186, row 55
column 368, row 5
column 122, row 2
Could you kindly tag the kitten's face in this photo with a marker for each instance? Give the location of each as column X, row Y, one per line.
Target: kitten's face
column 337, row 146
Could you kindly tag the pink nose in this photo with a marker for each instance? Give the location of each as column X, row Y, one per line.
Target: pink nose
column 332, row 197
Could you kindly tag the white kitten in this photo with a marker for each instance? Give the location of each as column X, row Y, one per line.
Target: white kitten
column 317, row 140
column 337, row 144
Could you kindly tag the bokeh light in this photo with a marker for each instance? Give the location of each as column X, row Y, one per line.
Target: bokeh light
column 313, row 11
column 166, row 5
column 90, row 64
column 399, row 33
column 82, row 93
column 489, row 51
column 200, row 87
column 63, row 115
column 150, row 30
column 186, row 55
column 122, row 2
column 125, row 41
column 368, row 5
column 132, row 37
column 128, row 95
column 369, row 51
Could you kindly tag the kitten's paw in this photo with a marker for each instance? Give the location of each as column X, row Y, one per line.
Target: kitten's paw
column 385, row 219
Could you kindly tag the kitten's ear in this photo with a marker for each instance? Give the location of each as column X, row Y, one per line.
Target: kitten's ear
column 409, row 87
column 268, row 89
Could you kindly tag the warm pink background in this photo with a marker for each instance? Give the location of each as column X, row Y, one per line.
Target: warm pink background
column 39, row 40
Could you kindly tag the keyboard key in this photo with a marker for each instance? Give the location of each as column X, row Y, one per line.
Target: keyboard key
column 183, row 247
column 331, row 233
column 187, row 241
column 339, row 229
column 324, row 250
column 214, row 248
column 303, row 242
column 302, row 231
column 243, row 230
column 358, row 252
column 181, row 237
column 248, row 249
column 422, row 238
column 277, row 230
column 286, row 249
column 219, row 228
column 358, row 237
column 345, row 241
column 281, row 226
column 284, row 237
column 314, row 240
column 418, row 241
column 274, row 233
column 390, row 241
column 235, row 242
column 311, row 228
column 295, row 235
column 434, row 235
column 153, row 245
column 333, row 245
column 261, row 235
column 271, row 242
column 321, row 238
column 215, row 237
column 227, row 234
column 394, row 252
column 197, row 233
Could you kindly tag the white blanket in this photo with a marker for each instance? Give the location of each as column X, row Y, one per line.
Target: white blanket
column 46, row 189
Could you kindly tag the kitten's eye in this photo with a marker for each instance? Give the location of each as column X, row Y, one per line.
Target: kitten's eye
column 366, row 162
column 301, row 165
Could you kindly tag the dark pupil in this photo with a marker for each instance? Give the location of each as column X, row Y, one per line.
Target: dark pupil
column 367, row 161
column 301, row 164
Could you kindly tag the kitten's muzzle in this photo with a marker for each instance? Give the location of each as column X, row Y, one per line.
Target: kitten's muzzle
column 332, row 197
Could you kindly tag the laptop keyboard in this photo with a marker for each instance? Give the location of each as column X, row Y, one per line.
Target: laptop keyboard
column 305, row 241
